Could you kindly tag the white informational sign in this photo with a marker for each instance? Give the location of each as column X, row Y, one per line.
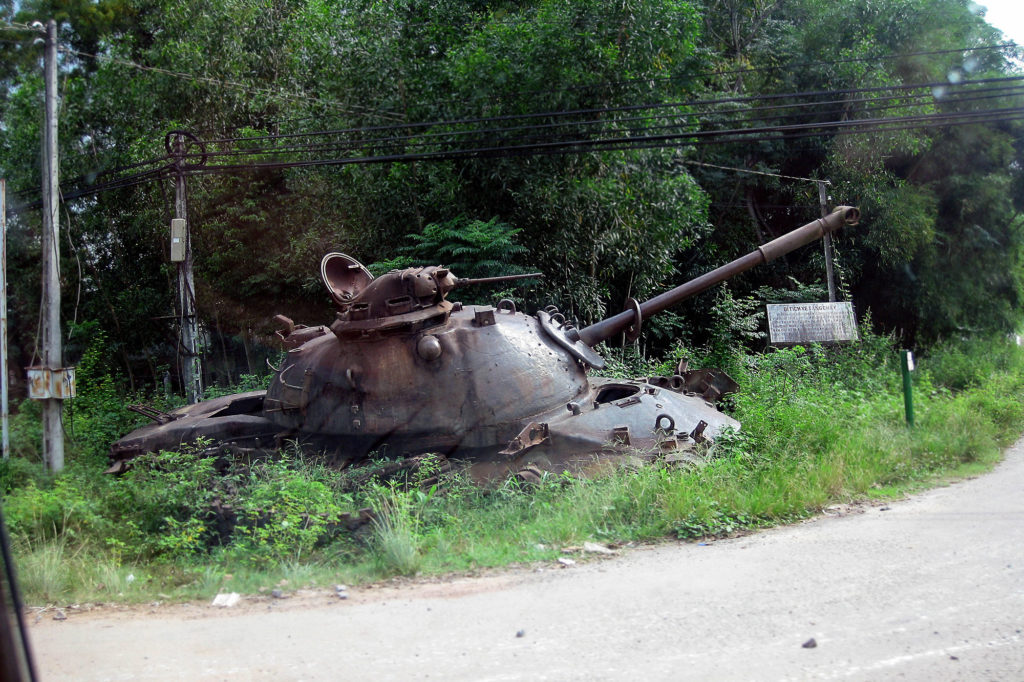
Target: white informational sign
column 794, row 323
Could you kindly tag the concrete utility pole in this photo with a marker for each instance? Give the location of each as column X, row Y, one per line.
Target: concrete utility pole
column 53, row 427
column 181, row 252
column 3, row 316
column 827, row 242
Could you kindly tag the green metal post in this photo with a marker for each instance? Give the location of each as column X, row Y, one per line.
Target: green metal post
column 906, row 365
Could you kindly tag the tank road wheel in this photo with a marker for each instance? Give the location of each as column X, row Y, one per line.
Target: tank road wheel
column 529, row 476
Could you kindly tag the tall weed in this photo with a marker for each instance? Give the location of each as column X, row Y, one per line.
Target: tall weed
column 396, row 540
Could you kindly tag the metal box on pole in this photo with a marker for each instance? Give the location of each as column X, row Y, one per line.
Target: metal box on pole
column 178, row 240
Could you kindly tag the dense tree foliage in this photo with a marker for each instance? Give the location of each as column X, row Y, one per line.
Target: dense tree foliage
column 938, row 254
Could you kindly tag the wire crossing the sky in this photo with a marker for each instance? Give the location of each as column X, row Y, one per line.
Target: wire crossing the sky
column 785, row 116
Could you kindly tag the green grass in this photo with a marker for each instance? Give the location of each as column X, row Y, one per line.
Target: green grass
column 820, row 426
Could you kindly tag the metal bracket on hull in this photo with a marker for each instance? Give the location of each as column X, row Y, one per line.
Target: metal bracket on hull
column 531, row 436
column 566, row 336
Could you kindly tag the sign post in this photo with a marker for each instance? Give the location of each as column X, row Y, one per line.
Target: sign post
column 827, row 242
column 907, row 366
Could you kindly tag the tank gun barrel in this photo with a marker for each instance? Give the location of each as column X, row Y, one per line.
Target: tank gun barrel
column 605, row 329
column 466, row 281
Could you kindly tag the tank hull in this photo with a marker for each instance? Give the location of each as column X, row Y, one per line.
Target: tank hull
column 612, row 422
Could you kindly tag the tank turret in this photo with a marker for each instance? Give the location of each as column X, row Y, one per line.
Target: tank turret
column 403, row 370
column 404, row 367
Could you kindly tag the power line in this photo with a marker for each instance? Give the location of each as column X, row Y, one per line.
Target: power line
column 91, row 176
column 638, row 139
column 641, row 142
column 535, row 149
column 426, row 139
column 749, row 171
column 734, row 116
column 866, row 126
column 628, row 108
column 121, row 183
column 421, row 142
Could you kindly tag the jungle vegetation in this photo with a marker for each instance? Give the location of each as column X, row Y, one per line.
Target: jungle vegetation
column 909, row 108
column 618, row 146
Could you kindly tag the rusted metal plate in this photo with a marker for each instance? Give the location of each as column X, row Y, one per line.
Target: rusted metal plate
column 47, row 384
column 38, row 383
column 64, row 385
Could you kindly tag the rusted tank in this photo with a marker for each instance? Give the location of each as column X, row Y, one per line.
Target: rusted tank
column 402, row 370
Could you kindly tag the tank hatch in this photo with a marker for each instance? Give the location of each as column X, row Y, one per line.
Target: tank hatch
column 401, row 301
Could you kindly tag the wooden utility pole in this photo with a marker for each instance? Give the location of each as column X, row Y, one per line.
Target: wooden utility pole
column 53, row 427
column 3, row 316
column 192, row 374
column 827, row 242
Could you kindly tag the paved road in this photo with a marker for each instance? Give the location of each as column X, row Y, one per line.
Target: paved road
column 931, row 588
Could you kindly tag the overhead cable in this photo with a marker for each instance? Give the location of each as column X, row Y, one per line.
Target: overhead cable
column 687, row 119
column 626, row 108
column 617, row 139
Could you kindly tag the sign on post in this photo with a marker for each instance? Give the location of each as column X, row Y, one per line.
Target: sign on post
column 51, row 384
column 797, row 323
column 906, row 367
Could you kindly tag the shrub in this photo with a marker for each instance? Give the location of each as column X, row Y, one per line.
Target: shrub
column 970, row 363
column 97, row 417
column 283, row 512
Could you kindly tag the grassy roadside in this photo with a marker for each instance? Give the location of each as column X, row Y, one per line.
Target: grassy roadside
column 820, row 426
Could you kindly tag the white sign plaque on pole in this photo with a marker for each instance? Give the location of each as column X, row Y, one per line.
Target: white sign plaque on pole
column 796, row 323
